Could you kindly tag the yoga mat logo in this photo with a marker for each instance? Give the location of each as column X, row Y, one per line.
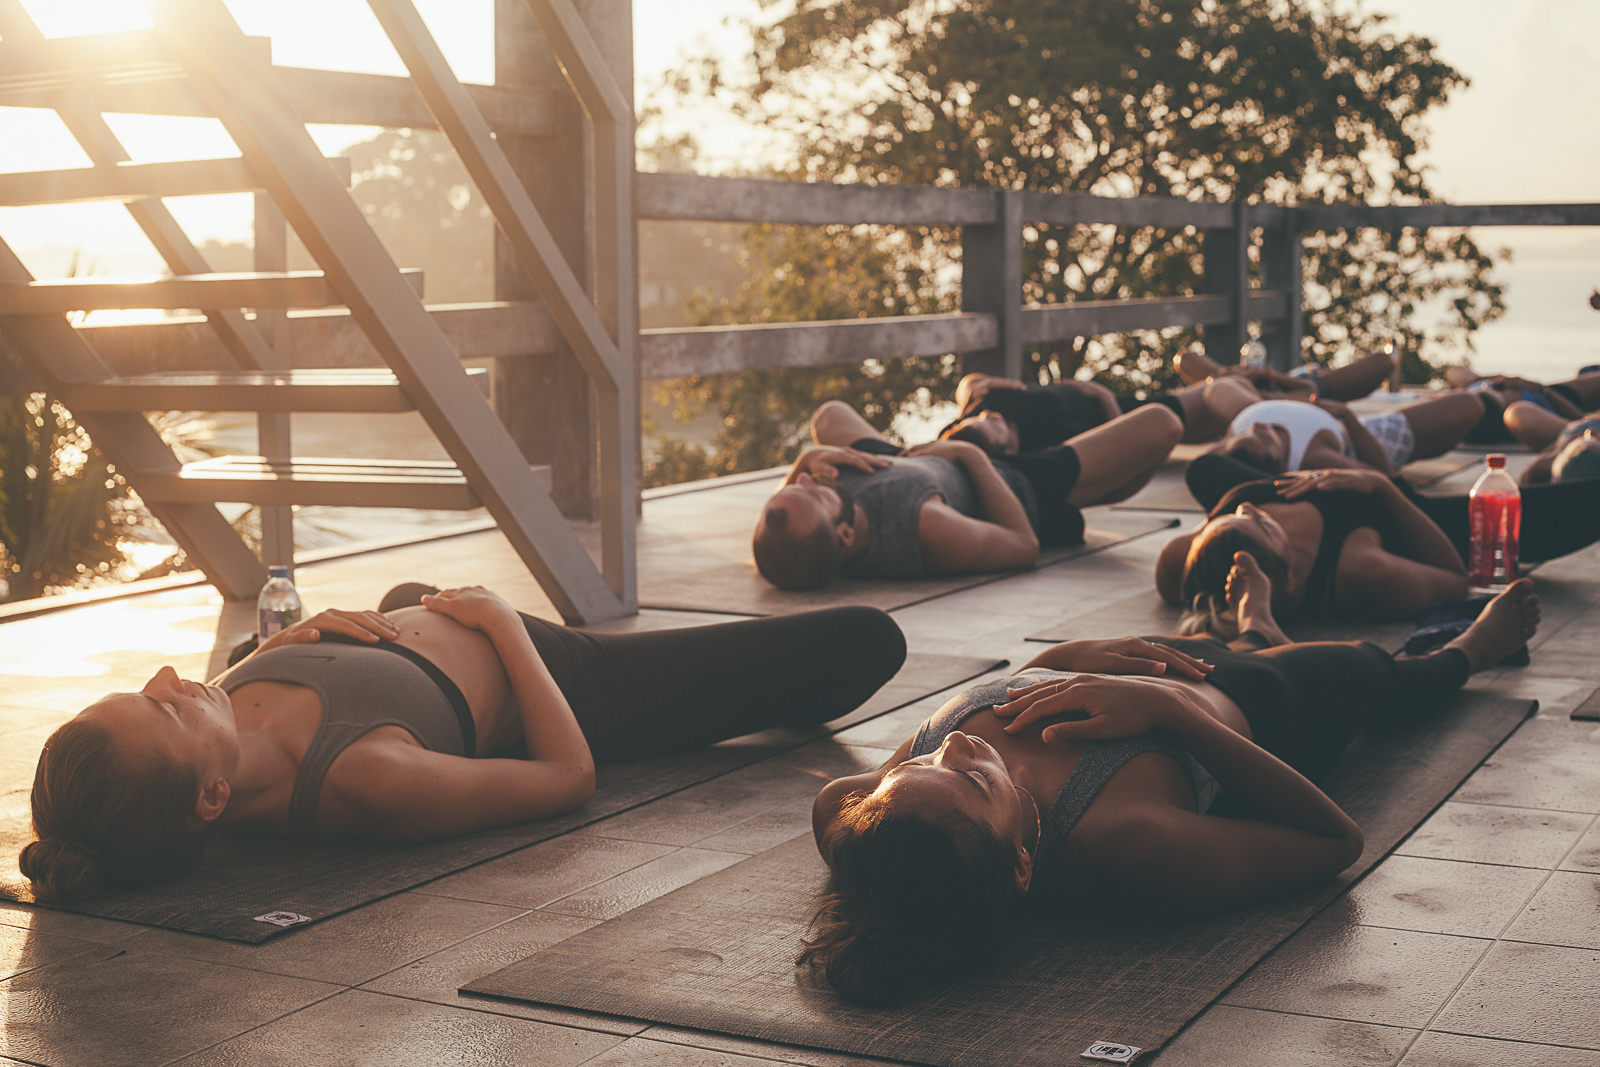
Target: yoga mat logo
column 1111, row 1052
column 283, row 918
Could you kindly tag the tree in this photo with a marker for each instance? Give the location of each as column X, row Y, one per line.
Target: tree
column 62, row 508
column 1275, row 101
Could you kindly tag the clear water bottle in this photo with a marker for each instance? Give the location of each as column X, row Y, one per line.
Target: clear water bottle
column 1495, row 516
column 278, row 606
column 1253, row 353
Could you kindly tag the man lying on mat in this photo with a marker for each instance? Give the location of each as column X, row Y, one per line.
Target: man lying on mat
column 440, row 714
column 1085, row 791
column 860, row 506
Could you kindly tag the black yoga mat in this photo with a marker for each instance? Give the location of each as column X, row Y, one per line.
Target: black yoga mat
column 245, row 876
column 717, row 574
column 717, row 955
column 1145, row 614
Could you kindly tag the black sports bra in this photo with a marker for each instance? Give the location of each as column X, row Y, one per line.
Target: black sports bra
column 1343, row 512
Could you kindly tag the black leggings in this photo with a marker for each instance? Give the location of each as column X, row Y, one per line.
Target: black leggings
column 1306, row 702
column 654, row 692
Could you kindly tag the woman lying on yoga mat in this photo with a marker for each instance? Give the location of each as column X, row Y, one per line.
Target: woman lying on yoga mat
column 420, row 722
column 1086, row 791
column 1348, row 543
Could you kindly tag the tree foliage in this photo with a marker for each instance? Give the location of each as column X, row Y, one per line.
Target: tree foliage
column 62, row 508
column 1275, row 101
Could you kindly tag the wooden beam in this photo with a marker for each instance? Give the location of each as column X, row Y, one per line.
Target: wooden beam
column 136, row 181
column 1092, row 318
column 97, row 58
column 1084, row 209
column 1422, row 216
column 331, row 97
column 328, row 338
column 299, row 288
column 726, row 349
column 699, row 198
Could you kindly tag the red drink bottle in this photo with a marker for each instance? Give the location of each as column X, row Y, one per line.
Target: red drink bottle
column 1495, row 513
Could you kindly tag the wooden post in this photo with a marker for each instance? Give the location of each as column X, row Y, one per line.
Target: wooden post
column 547, row 404
column 1227, row 267
column 273, row 427
column 991, row 281
column 1283, row 270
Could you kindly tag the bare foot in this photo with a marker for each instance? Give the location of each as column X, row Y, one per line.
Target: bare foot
column 1507, row 623
column 1249, row 593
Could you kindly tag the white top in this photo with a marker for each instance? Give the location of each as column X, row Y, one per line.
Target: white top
column 1302, row 420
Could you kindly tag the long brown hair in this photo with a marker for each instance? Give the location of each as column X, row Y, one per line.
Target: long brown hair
column 1204, row 590
column 911, row 901
column 107, row 820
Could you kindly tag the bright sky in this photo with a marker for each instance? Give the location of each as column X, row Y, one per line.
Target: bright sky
column 1524, row 130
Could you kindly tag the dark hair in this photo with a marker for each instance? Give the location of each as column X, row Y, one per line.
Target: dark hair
column 1205, row 580
column 108, row 821
column 966, row 431
column 809, row 561
column 883, row 927
column 1241, row 448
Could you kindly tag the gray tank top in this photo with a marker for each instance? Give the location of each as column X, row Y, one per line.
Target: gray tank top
column 893, row 499
column 1100, row 760
column 362, row 688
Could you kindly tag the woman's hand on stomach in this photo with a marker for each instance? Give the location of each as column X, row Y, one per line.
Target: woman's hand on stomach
column 472, row 606
column 368, row 626
column 1120, row 655
column 1116, row 707
column 1294, row 486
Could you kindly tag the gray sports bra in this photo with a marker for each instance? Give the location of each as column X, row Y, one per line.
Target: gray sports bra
column 362, row 688
column 1100, row 760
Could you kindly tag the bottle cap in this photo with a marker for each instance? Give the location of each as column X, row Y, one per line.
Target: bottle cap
column 283, row 572
column 1496, row 461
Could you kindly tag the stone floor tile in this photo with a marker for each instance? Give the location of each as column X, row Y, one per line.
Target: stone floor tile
column 1556, row 785
column 347, row 949
column 767, row 830
column 1586, row 856
column 439, row 977
column 66, row 923
column 130, row 1007
column 643, row 884
column 1565, row 911
column 358, row 1029
column 727, row 1043
column 1558, row 738
column 640, row 1051
column 533, row 877
column 1454, row 1050
column 1439, row 896
column 1362, row 973
column 1530, row 993
column 1486, row 833
column 710, row 807
column 23, row 950
column 1245, row 1037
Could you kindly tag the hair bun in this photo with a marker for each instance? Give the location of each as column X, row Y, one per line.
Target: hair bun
column 59, row 869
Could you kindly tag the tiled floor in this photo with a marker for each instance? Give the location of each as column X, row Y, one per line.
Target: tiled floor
column 1478, row 942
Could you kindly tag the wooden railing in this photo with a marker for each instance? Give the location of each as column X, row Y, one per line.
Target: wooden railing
column 994, row 324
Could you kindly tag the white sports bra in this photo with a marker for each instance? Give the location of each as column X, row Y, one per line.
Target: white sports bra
column 1303, row 421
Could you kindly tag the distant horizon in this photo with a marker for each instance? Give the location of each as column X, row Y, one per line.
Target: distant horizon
column 1534, row 66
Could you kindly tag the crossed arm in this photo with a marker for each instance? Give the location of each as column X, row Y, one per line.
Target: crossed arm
column 403, row 792
column 1147, row 848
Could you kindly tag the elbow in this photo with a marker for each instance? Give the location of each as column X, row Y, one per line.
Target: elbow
column 1351, row 846
column 581, row 787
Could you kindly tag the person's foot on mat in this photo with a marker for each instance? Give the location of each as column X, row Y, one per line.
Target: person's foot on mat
column 405, row 595
column 1509, row 621
column 1249, row 593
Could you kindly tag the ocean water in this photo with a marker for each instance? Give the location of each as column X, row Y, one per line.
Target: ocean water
column 1549, row 330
